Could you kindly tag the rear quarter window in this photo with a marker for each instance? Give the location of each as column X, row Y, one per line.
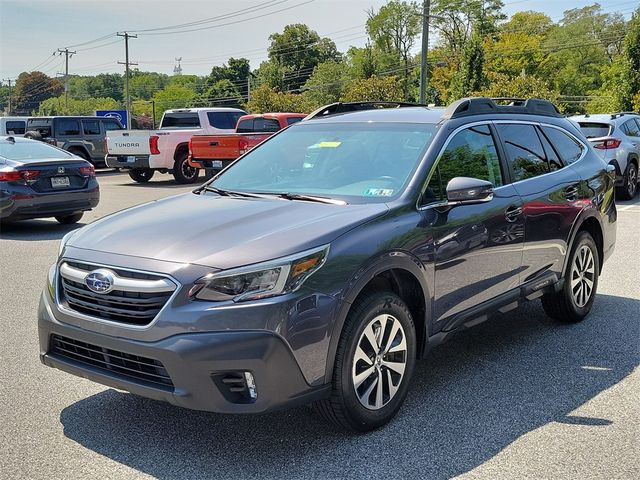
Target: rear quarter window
column 180, row 120
column 224, row 120
column 569, row 149
column 67, row 127
column 40, row 125
column 15, row 127
column 111, row 125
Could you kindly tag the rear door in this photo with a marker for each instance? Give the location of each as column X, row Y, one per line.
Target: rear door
column 477, row 248
column 92, row 134
column 549, row 187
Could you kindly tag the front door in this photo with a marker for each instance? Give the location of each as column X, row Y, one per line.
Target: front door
column 477, row 248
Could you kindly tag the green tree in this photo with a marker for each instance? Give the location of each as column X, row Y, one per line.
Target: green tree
column 297, row 51
column 528, row 22
column 394, row 29
column 143, row 85
column 223, row 92
column 236, row 71
column 85, row 106
column 173, row 95
column 326, row 84
column 471, row 75
column 381, row 89
column 33, row 88
column 522, row 86
column 266, row 99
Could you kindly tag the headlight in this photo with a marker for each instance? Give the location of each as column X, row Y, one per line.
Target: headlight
column 64, row 241
column 263, row 280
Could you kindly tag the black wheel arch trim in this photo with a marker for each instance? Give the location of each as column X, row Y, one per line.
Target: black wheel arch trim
column 586, row 214
column 382, row 262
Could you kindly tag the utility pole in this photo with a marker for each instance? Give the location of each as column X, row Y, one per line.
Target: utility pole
column 67, row 53
column 249, row 87
column 426, row 6
column 8, row 80
column 126, row 62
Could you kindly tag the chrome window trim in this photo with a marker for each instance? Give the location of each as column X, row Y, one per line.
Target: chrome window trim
column 82, row 316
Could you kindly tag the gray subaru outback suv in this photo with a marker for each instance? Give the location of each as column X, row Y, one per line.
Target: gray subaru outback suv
column 320, row 265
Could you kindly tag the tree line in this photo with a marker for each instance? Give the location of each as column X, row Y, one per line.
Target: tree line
column 588, row 61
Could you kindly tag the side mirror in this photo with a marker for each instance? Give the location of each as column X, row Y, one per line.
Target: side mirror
column 465, row 190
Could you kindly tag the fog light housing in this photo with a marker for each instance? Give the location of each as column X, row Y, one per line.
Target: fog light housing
column 251, row 385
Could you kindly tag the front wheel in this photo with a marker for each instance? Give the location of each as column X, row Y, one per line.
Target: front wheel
column 182, row 171
column 141, row 175
column 69, row 219
column 374, row 363
column 574, row 301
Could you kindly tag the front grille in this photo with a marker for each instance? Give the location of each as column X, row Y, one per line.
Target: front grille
column 133, row 307
column 142, row 370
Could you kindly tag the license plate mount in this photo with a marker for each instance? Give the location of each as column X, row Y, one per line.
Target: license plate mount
column 60, row 182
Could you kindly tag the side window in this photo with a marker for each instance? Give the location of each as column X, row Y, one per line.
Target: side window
column 67, row 126
column 555, row 161
column 15, row 127
column 524, row 150
column 292, row 120
column 266, row 125
column 91, row 127
column 222, row 120
column 111, row 125
column 569, row 149
column 245, row 126
column 470, row 153
column 630, row 127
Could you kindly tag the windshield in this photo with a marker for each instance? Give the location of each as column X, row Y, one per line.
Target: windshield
column 353, row 161
column 595, row 130
column 30, row 150
column 180, row 120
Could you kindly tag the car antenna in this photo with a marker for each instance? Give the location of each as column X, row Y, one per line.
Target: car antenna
column 11, row 139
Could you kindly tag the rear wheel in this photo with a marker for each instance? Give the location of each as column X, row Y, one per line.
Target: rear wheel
column 574, row 301
column 182, row 171
column 69, row 219
column 33, row 135
column 630, row 185
column 374, row 363
column 141, row 175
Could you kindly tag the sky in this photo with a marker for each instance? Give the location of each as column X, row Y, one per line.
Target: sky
column 31, row 30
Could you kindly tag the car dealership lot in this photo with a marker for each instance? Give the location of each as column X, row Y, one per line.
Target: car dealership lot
column 516, row 397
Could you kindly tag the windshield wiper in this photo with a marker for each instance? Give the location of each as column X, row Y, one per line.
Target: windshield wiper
column 224, row 193
column 309, row 198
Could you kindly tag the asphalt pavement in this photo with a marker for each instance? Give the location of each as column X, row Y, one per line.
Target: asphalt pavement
column 516, row 397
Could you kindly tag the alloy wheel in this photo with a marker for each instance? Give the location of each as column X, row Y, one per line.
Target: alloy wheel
column 632, row 180
column 187, row 170
column 379, row 361
column 583, row 273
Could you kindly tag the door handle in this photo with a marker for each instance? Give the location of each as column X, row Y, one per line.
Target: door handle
column 571, row 193
column 213, row 144
column 512, row 213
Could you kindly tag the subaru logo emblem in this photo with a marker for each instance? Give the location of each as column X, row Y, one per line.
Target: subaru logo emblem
column 60, row 169
column 99, row 281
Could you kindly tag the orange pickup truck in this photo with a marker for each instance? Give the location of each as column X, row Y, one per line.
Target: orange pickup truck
column 215, row 152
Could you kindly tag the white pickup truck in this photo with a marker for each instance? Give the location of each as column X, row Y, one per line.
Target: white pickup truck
column 166, row 150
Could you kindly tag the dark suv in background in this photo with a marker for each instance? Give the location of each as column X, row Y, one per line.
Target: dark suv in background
column 82, row 136
column 320, row 265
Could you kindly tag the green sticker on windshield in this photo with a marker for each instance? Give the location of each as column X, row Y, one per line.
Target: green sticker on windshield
column 378, row 192
column 329, row 144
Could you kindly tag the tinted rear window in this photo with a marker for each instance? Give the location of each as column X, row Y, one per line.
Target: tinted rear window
column 266, row 125
column 292, row 120
column 224, row 120
column 41, row 125
column 595, row 130
column 67, row 126
column 180, row 120
column 30, row 150
column 245, row 126
column 15, row 127
column 91, row 127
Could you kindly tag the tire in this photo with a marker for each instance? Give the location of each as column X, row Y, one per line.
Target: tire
column 567, row 305
column 355, row 410
column 81, row 154
column 33, row 135
column 183, row 172
column 141, row 175
column 630, row 184
column 209, row 174
column 70, row 219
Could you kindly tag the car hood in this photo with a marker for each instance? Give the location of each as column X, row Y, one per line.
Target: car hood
column 221, row 232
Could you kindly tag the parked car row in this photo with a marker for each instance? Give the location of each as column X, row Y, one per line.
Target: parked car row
column 333, row 256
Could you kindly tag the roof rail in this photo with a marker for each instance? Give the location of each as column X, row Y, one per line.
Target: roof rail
column 482, row 105
column 621, row 114
column 344, row 107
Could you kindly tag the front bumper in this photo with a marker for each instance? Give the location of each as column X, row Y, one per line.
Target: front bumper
column 194, row 362
column 27, row 204
column 127, row 162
